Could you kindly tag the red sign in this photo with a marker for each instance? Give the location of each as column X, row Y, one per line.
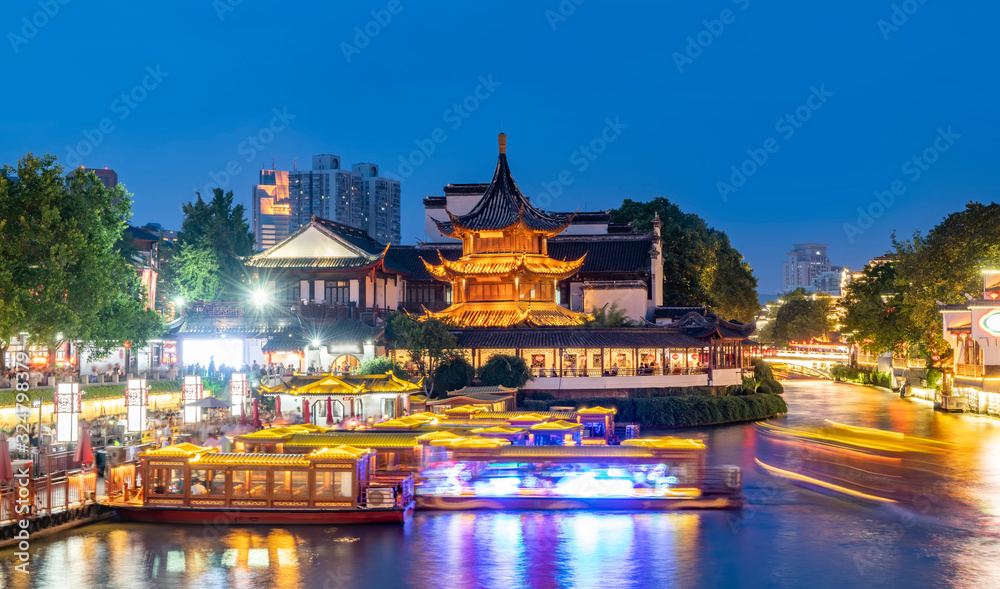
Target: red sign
column 128, row 345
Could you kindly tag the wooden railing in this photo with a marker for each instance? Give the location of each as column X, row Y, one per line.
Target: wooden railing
column 969, row 370
column 49, row 494
column 656, row 371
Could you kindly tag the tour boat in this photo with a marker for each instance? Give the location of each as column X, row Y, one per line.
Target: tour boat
column 654, row 474
column 188, row 484
column 863, row 463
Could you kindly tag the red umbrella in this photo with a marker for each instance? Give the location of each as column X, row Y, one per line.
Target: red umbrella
column 243, row 414
column 6, row 467
column 305, row 411
column 277, row 404
column 329, row 411
column 256, row 414
column 83, row 453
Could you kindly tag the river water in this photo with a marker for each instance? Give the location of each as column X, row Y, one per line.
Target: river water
column 786, row 537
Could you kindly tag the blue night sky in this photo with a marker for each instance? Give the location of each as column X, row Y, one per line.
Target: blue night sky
column 553, row 83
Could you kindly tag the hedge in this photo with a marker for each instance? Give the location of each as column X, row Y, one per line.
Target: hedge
column 94, row 391
column 686, row 411
column 863, row 375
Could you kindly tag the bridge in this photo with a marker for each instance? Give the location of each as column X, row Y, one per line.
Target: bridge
column 809, row 363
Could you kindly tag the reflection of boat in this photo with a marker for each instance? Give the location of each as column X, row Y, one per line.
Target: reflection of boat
column 192, row 484
column 666, row 473
column 860, row 462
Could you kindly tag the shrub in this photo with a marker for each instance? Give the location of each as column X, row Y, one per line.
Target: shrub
column 682, row 411
column 509, row 371
column 536, row 405
column 762, row 370
column 452, row 374
column 541, row 396
column 381, row 365
column 93, row 391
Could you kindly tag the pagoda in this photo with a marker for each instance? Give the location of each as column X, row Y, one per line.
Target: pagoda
column 505, row 276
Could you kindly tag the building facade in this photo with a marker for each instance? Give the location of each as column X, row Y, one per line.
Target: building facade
column 284, row 200
column 809, row 268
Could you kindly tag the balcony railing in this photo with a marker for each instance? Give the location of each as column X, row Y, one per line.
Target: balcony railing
column 580, row 372
column 969, row 370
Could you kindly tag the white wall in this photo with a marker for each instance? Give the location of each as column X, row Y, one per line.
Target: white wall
column 632, row 300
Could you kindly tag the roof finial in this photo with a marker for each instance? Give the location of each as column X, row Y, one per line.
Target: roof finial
column 502, row 138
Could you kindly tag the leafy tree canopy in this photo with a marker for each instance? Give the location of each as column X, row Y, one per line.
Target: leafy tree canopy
column 699, row 264
column 214, row 236
column 428, row 343
column 63, row 272
column 799, row 317
column 452, row 374
column 381, row 365
column 504, row 370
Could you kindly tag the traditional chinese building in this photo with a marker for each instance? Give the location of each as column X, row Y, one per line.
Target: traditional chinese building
column 505, row 276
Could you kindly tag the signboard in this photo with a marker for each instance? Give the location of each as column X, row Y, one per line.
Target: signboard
column 990, row 323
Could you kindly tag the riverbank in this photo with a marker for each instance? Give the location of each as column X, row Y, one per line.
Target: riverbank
column 682, row 410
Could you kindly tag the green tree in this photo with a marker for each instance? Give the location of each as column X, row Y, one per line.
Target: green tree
column 452, row 374
column 214, row 237
column 874, row 318
column 428, row 343
column 64, row 276
column 611, row 316
column 700, row 266
column 381, row 365
column 503, row 370
column 799, row 317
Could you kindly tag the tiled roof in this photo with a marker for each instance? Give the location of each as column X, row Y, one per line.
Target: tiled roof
column 605, row 253
column 506, row 314
column 480, row 397
column 502, row 206
column 381, row 440
column 325, row 263
column 525, row 265
column 352, row 235
column 341, row 332
column 575, row 338
column 252, row 459
column 470, row 390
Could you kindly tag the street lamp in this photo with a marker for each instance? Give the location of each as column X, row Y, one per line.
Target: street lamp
column 67, row 409
column 260, row 297
column 192, row 393
column 136, row 401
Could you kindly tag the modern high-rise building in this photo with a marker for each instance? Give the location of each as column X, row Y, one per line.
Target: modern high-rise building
column 283, row 201
column 108, row 177
column 809, row 268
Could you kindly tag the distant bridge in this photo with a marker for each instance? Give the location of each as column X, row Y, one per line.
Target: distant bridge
column 811, row 363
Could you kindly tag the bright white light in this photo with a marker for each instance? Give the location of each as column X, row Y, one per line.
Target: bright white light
column 202, row 351
column 179, row 302
column 315, row 343
column 260, row 297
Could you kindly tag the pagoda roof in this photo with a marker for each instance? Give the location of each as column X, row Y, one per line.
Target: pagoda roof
column 504, row 265
column 503, row 206
column 322, row 243
column 329, row 384
column 509, row 313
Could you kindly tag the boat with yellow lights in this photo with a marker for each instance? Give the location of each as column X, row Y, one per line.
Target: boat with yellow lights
column 863, row 463
column 192, row 484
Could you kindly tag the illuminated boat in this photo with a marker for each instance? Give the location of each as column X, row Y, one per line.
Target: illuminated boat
column 657, row 474
column 188, row 484
column 864, row 463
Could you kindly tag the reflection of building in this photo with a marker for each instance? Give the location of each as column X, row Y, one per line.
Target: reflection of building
column 283, row 201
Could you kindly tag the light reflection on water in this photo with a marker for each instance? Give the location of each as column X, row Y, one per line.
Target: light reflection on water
column 789, row 537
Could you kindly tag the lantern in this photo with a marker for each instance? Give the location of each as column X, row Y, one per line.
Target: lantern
column 67, row 408
column 192, row 393
column 136, row 401
column 239, row 387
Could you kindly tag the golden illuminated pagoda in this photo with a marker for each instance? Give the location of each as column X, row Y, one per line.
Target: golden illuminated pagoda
column 505, row 276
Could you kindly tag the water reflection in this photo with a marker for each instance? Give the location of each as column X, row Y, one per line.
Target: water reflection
column 787, row 537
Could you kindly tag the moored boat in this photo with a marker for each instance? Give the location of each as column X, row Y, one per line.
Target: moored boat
column 198, row 485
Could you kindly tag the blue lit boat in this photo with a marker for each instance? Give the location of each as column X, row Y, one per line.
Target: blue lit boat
column 644, row 474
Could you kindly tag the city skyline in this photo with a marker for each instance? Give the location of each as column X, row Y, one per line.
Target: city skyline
column 743, row 85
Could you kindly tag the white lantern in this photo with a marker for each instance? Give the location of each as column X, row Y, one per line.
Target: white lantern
column 136, row 401
column 67, row 408
column 192, row 393
column 239, row 387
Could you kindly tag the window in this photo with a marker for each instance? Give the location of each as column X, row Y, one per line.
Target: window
column 290, row 484
column 334, row 484
column 491, row 292
column 214, row 482
column 168, row 481
column 423, row 294
column 250, row 483
column 338, row 292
